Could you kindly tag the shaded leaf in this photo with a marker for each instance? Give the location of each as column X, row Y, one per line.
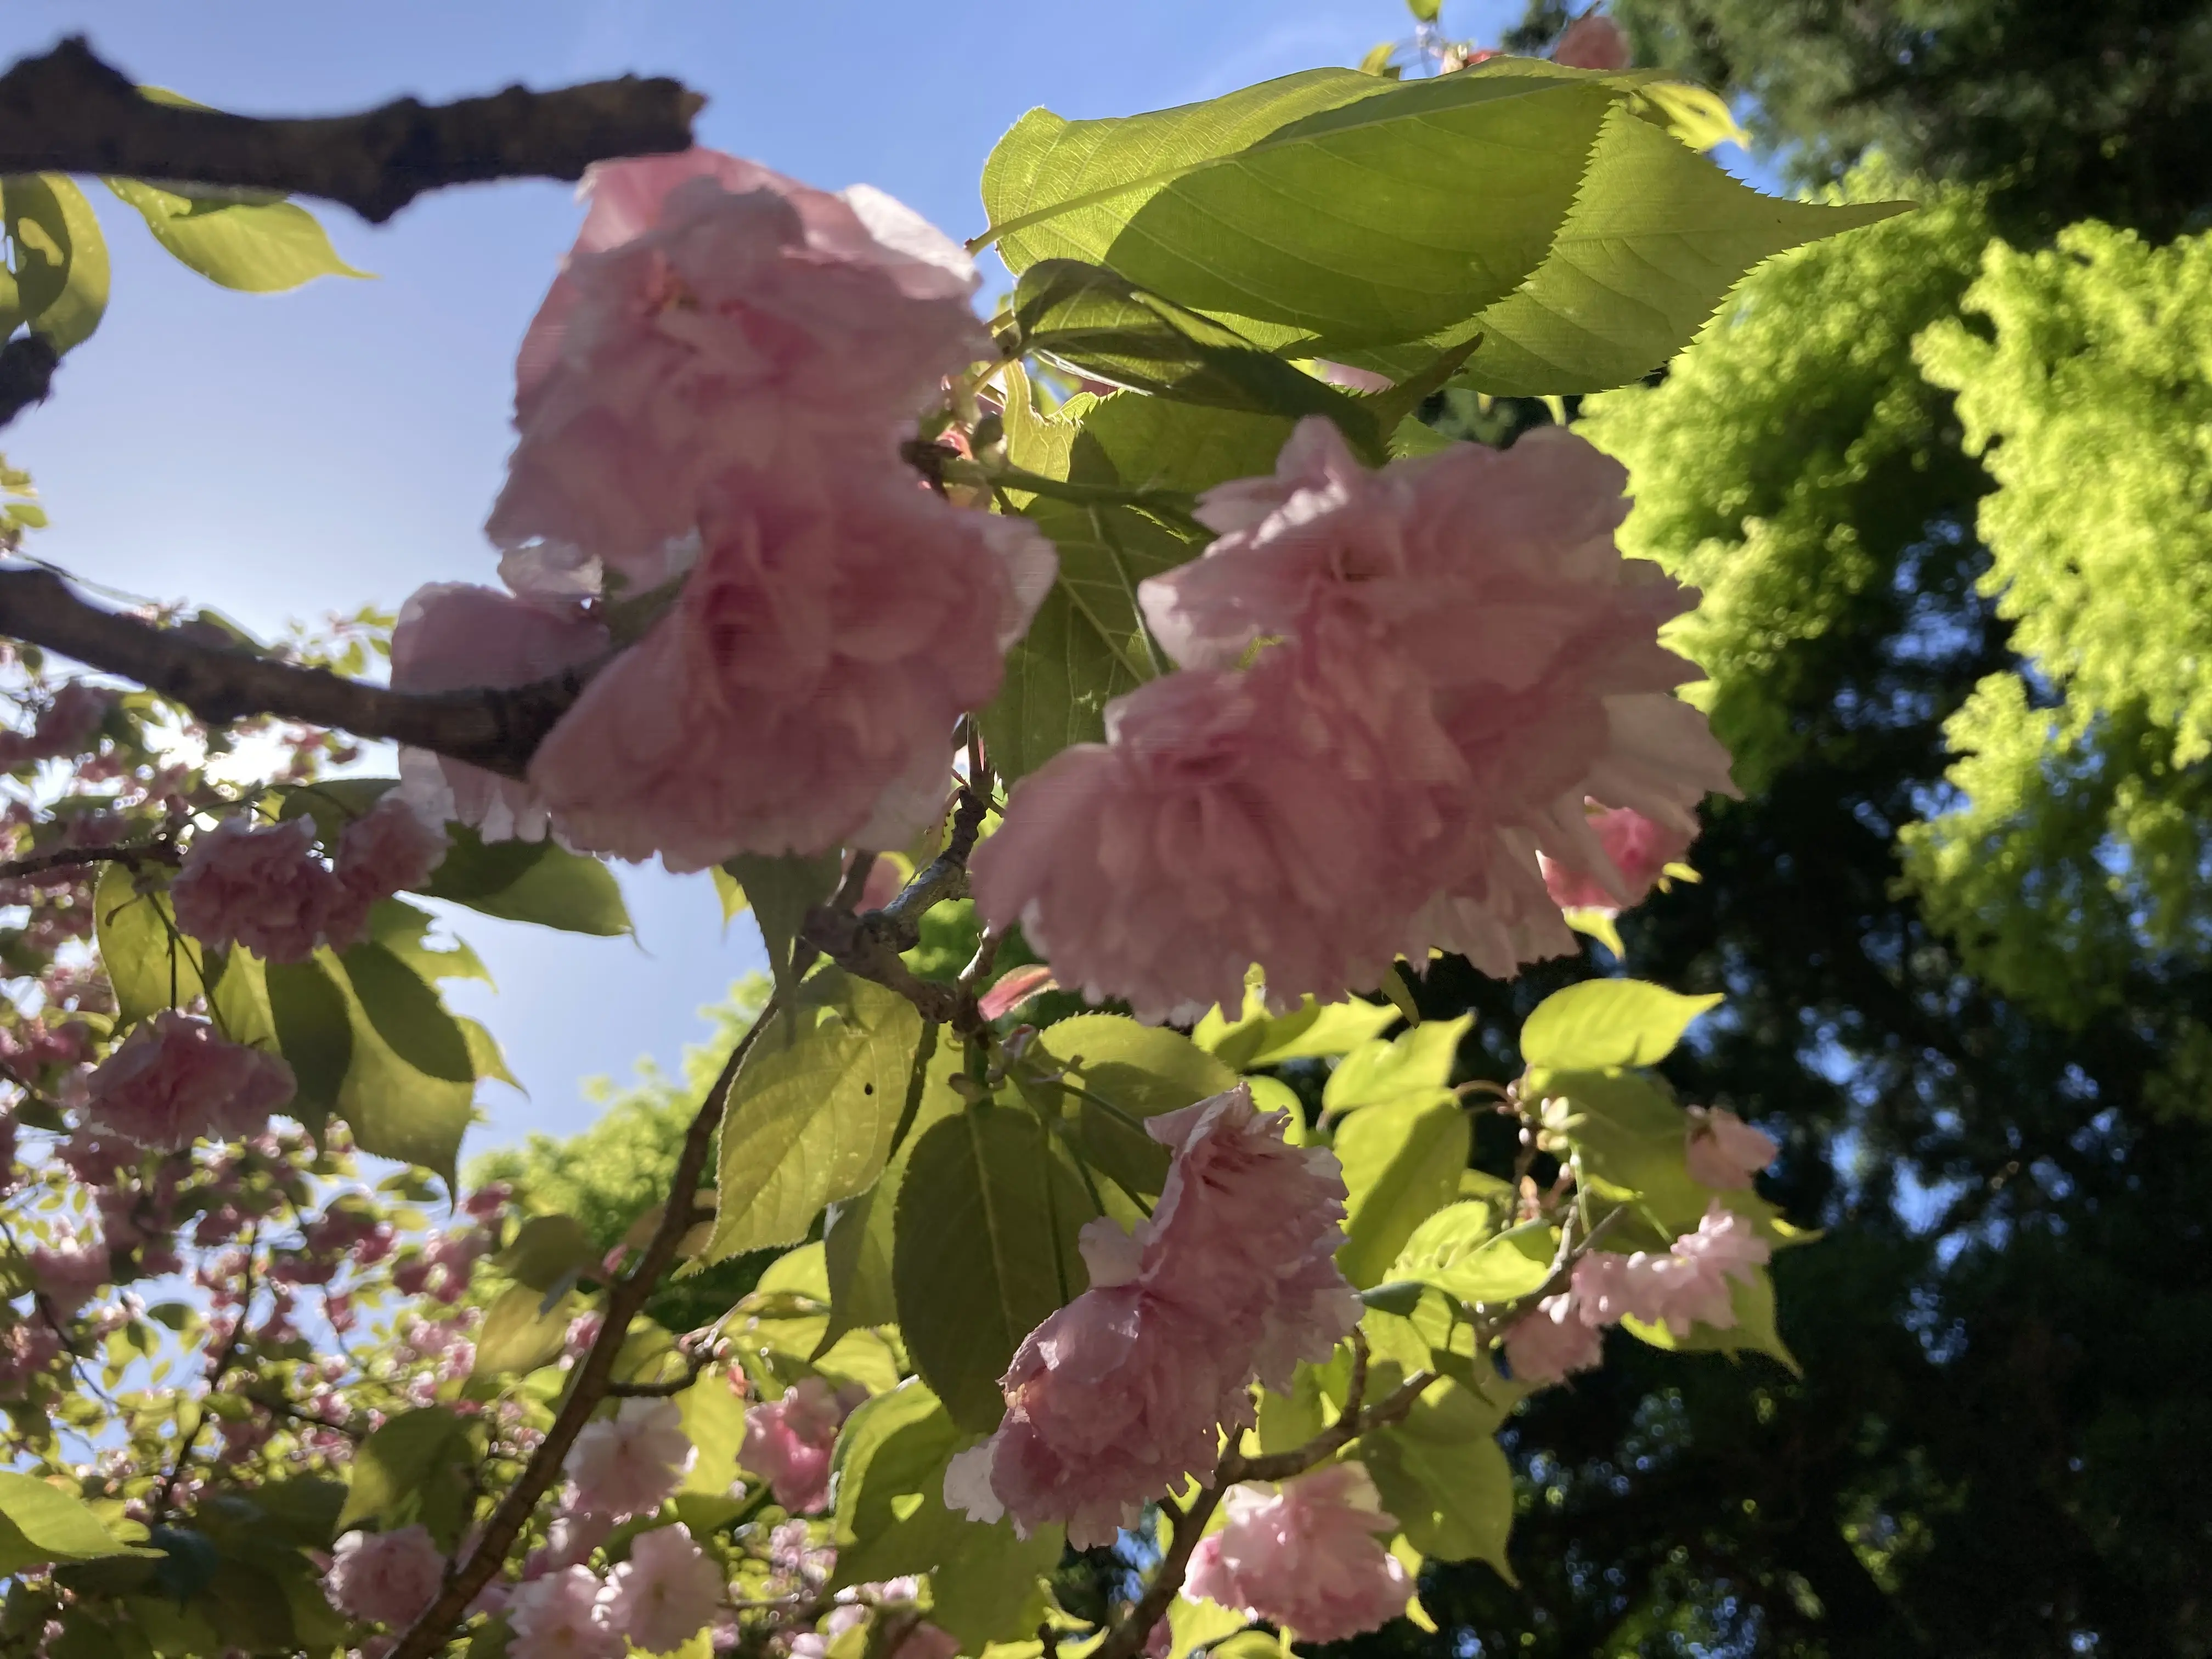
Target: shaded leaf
column 414, row 1468
column 1140, row 1072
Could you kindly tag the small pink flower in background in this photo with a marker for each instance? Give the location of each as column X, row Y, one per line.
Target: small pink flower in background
column 801, row 693
column 666, row 1593
column 385, row 1577
column 174, row 1079
column 788, row 1442
column 260, row 886
column 1723, row 1151
column 563, row 1616
column 1592, row 42
column 1304, row 1555
column 451, row 637
column 1636, row 846
column 1697, row 1267
column 628, row 1463
column 390, row 849
column 1551, row 1341
column 65, row 728
column 69, row 1274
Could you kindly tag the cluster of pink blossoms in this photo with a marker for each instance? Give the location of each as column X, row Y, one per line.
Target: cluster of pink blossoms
column 175, row 1078
column 714, row 393
column 788, row 1441
column 1399, row 687
column 628, row 1464
column 263, row 887
column 1304, row 1555
column 1685, row 1286
column 1120, row 1395
column 666, row 1592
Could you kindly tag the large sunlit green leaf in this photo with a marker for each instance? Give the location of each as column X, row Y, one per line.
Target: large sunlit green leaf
column 260, row 247
column 59, row 282
column 1442, row 1475
column 39, row 1524
column 1608, row 1022
column 150, row 964
column 1122, row 1073
column 1401, row 1164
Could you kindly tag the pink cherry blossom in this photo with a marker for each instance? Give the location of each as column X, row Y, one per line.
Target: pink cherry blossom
column 1592, row 42
column 1697, row 1268
column 65, row 728
column 714, row 312
column 1304, row 1555
column 562, row 1615
column 390, row 849
column 1723, row 1151
column 257, row 885
column 386, row 1578
column 69, row 1274
column 174, row 1078
column 802, row 693
column 1551, row 1340
column 569, row 1541
column 451, row 637
column 1610, row 1287
column 1638, row 849
column 1013, row 988
column 666, row 1593
column 628, row 1463
column 788, row 1442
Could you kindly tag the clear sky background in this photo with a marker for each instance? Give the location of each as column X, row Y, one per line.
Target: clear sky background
column 288, row 456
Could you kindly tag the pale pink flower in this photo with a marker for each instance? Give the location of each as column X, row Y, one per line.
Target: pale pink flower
column 1634, row 845
column 1592, row 42
column 174, row 1078
column 257, row 885
column 1304, row 1555
column 452, row 636
column 390, row 849
column 385, row 1577
column 563, row 1616
column 713, row 313
column 70, row 1273
column 1697, row 1267
column 1610, row 1287
column 569, row 1541
column 802, row 693
column 666, row 1593
column 788, row 1442
column 628, row 1463
column 1723, row 1151
column 1551, row 1340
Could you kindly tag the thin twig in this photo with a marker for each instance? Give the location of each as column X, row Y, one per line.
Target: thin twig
column 69, row 858
column 218, row 1369
column 68, row 112
column 593, row 1379
column 1281, row 1466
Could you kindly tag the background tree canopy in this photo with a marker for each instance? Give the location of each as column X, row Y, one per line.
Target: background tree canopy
column 1944, row 483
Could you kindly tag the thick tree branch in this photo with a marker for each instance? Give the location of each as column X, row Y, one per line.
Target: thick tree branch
column 79, row 857
column 27, row 375
column 68, row 112
column 497, row 728
column 594, row 1378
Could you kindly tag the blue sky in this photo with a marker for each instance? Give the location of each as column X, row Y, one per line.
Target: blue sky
column 287, row 456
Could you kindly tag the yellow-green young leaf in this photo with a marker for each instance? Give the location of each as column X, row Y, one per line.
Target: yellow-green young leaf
column 781, row 892
column 39, row 1524
column 523, row 1330
column 1310, row 1031
column 732, row 892
column 1461, row 1250
column 148, row 962
column 240, row 998
column 984, row 1252
column 1658, row 236
column 811, row 1116
column 59, row 284
column 415, row 1468
column 1754, row 1332
column 532, row 881
column 259, row 247
column 547, row 1251
column 1288, row 1421
column 1692, row 114
column 1141, row 1070
column 1326, row 211
column 1401, row 1164
column 1608, row 1022
column 1202, row 1624
column 715, row 1423
column 1442, row 1475
column 1416, row 1066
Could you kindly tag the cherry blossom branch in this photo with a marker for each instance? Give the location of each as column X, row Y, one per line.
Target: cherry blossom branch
column 495, row 728
column 162, row 851
column 594, row 1377
column 70, row 111
column 218, row 1368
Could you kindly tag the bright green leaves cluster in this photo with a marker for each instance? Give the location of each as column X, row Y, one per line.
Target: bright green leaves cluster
column 56, row 275
column 40, row 1525
column 2080, row 836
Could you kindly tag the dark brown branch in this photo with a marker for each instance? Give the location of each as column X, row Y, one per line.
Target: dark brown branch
column 493, row 728
column 68, row 112
column 74, row 858
column 27, row 375
column 594, row 1378
column 1281, row 1466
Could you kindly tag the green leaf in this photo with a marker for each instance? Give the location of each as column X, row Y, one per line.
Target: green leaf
column 1658, row 236
column 313, row 1031
column 260, row 247
column 404, row 930
column 1424, row 11
column 986, row 1250
column 520, row 1332
column 1141, row 1070
column 39, row 1524
column 532, row 881
column 1442, row 1475
column 1310, row 1031
column 1459, row 1251
column 1100, row 325
column 1626, row 1131
column 149, row 963
column 395, row 1109
column 407, row 1014
column 1326, row 211
column 1401, row 1164
column 810, row 1116
column 60, row 283
column 414, row 1468
column 781, row 892
column 1417, row 1067
column 548, row 1250
column 1608, row 1022
column 239, row 1000
column 989, row 1586
column 715, row 1423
